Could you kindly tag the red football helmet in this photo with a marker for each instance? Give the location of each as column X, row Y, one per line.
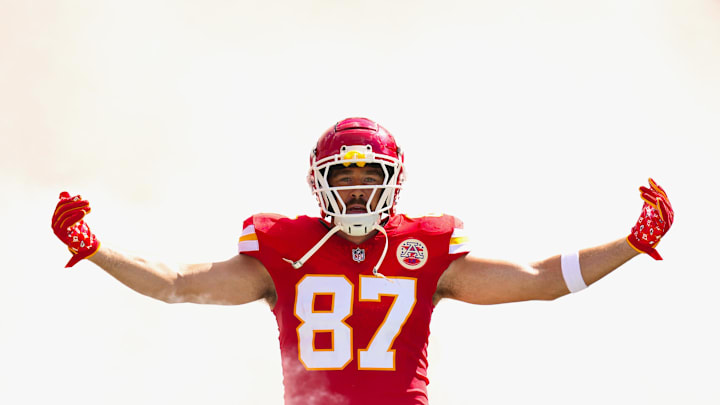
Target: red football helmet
column 358, row 141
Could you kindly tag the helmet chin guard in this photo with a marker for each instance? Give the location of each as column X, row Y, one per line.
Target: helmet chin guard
column 359, row 142
column 357, row 224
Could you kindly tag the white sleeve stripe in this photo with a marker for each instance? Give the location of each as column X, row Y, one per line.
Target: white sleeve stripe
column 458, row 233
column 459, row 248
column 248, row 230
column 248, row 246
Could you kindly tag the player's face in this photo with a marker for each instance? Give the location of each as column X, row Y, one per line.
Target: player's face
column 356, row 199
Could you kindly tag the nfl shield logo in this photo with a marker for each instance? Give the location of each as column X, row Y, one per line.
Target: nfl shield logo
column 358, row 254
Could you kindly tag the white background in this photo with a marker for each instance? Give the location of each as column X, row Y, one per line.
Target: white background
column 534, row 122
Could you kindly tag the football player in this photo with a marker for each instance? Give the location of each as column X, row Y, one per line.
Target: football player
column 353, row 290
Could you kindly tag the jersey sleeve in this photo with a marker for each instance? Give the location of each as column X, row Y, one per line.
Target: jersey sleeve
column 459, row 241
column 248, row 241
column 272, row 237
column 257, row 239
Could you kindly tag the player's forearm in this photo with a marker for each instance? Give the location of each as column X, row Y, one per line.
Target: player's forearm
column 599, row 261
column 484, row 281
column 155, row 280
column 595, row 263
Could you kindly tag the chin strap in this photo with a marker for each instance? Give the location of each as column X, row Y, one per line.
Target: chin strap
column 299, row 263
column 382, row 256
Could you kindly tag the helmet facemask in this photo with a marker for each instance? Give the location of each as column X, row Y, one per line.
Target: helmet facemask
column 355, row 142
column 330, row 200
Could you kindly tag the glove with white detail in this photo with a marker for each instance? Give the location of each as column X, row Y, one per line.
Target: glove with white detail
column 69, row 227
column 655, row 220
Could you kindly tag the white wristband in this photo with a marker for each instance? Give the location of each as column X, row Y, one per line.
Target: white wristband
column 570, row 264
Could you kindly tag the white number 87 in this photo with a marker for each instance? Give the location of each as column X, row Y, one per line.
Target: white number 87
column 378, row 355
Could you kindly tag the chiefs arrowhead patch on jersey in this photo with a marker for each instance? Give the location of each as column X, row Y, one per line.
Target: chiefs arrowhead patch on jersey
column 412, row 254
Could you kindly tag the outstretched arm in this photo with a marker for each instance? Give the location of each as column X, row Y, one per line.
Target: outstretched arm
column 483, row 281
column 239, row 280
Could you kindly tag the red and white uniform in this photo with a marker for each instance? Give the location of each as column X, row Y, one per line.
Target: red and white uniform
column 346, row 336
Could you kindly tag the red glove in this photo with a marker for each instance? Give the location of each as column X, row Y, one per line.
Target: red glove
column 655, row 220
column 68, row 226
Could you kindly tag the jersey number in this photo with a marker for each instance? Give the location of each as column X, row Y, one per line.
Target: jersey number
column 379, row 354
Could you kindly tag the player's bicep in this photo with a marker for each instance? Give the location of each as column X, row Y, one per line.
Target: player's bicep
column 239, row 280
column 486, row 281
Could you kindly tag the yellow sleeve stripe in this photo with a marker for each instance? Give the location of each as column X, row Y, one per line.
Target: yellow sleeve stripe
column 459, row 240
column 459, row 243
column 248, row 241
column 251, row 236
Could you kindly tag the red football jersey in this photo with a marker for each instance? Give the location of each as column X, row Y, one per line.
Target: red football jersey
column 346, row 336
